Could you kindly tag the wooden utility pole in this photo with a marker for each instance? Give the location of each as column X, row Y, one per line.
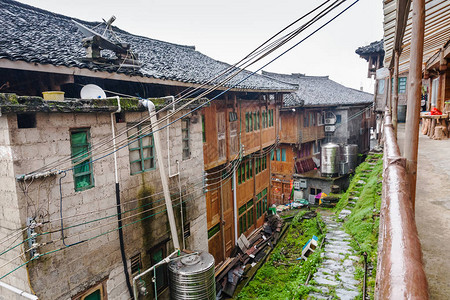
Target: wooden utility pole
column 414, row 96
column 395, row 96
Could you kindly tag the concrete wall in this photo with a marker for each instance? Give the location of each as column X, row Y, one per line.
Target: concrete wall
column 10, row 220
column 72, row 270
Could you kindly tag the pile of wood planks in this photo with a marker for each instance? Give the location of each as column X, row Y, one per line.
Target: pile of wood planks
column 248, row 252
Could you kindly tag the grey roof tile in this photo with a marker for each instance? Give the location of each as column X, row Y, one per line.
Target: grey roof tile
column 34, row 35
column 374, row 47
column 319, row 91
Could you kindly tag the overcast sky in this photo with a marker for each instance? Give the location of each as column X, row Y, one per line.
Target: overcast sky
column 228, row 30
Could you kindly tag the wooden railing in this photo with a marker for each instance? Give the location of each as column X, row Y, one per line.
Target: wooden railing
column 400, row 272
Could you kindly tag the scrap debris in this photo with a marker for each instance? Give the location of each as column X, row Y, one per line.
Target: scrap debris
column 248, row 252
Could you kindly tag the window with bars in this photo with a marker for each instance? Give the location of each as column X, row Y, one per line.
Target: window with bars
column 245, row 170
column 136, row 264
column 141, row 147
column 270, row 117
column 401, row 85
column 261, row 203
column 246, row 219
column 185, row 138
column 247, row 127
column 80, row 146
column 264, row 119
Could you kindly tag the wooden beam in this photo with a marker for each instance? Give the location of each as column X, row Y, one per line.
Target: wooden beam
column 414, row 96
column 395, row 96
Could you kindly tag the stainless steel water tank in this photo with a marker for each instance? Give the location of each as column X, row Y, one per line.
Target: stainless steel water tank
column 349, row 155
column 192, row 277
column 329, row 165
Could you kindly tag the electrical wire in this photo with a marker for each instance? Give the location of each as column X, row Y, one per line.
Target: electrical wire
column 114, row 215
column 284, row 52
column 250, row 73
column 292, row 35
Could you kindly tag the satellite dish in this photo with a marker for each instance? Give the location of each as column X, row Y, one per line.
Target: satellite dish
column 92, row 91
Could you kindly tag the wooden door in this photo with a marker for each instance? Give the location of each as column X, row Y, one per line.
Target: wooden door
column 228, row 216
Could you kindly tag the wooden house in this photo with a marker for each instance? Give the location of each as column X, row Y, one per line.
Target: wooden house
column 319, row 111
column 240, row 132
column 43, row 51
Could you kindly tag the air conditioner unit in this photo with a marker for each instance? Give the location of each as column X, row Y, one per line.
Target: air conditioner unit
column 330, row 128
column 330, row 121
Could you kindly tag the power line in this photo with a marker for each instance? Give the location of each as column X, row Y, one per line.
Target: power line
column 293, row 34
column 289, row 49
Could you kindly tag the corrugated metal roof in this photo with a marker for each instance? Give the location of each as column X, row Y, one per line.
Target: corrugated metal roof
column 437, row 30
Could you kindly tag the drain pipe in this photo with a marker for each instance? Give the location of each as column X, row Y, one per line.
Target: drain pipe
column 181, row 205
column 118, row 204
column 168, row 138
column 155, row 128
column 18, row 291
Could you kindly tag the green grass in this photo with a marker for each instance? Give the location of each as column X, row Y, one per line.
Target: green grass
column 363, row 223
column 283, row 276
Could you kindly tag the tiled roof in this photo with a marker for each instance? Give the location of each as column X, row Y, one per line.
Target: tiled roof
column 34, row 35
column 319, row 91
column 374, row 47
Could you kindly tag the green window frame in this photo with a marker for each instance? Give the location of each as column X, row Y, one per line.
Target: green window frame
column 264, row 200
column 247, row 170
column 250, row 220
column 272, row 154
column 264, row 119
column 255, row 124
column 250, row 121
column 401, row 85
column 185, row 136
column 80, row 146
column 278, row 154
column 203, row 129
column 141, row 148
column 258, row 124
column 250, row 169
column 283, row 154
column 212, row 231
column 242, row 219
column 259, row 211
column 246, row 123
column 239, row 174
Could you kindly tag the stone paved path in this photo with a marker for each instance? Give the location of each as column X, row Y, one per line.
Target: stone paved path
column 338, row 266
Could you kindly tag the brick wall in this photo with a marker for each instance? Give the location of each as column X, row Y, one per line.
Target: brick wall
column 74, row 269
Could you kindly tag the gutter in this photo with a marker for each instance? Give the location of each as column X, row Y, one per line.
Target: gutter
column 118, row 202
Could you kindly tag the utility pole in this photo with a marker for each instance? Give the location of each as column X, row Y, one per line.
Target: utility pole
column 414, row 96
column 395, row 97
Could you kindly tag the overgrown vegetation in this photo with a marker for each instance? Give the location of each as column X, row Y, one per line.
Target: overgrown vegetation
column 283, row 275
column 363, row 223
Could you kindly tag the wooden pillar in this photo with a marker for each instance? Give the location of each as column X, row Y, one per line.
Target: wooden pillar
column 414, row 96
column 395, row 96
column 388, row 92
